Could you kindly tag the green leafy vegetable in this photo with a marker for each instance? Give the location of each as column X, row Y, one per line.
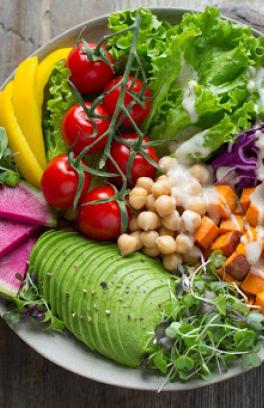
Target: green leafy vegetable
column 29, row 304
column 207, row 327
column 201, row 77
column 9, row 174
column 59, row 101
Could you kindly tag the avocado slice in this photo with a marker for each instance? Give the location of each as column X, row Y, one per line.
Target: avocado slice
column 109, row 302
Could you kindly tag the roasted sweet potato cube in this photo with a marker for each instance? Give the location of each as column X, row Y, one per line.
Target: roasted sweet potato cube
column 238, row 210
column 251, row 299
column 241, row 249
column 253, row 284
column 224, row 203
column 237, row 265
column 253, row 217
column 245, row 197
column 235, row 223
column 226, row 243
column 260, row 301
column 206, row 233
column 225, row 276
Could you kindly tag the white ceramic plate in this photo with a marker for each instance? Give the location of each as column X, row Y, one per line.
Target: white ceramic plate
column 64, row 350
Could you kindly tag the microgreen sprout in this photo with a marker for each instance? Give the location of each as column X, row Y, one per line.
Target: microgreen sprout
column 196, row 341
column 31, row 305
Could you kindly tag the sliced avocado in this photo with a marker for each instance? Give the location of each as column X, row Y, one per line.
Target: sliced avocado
column 109, row 302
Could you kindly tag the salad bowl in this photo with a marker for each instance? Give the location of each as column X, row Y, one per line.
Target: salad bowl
column 64, row 350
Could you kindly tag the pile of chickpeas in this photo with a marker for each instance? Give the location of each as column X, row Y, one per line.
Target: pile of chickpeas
column 167, row 214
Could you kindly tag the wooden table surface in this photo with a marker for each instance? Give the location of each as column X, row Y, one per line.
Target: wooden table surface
column 26, row 379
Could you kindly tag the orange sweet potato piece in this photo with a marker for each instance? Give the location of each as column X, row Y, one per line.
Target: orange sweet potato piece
column 226, row 243
column 260, row 301
column 206, row 233
column 238, row 210
column 237, row 265
column 251, row 300
column 226, row 202
column 253, row 216
column 253, row 284
column 241, row 249
column 245, row 197
column 225, row 276
column 235, row 223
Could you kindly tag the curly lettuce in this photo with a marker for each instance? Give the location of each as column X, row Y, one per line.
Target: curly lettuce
column 59, row 100
column 207, row 73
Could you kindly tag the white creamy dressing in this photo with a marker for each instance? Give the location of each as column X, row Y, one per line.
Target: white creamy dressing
column 234, row 220
column 256, row 82
column 260, row 145
column 182, row 180
column 259, row 81
column 258, row 268
column 187, row 80
column 257, row 198
column 195, row 144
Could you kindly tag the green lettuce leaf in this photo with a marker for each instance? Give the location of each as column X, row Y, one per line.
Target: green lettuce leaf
column 59, row 100
column 203, row 144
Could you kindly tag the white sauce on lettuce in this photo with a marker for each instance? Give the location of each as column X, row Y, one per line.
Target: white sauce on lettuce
column 195, row 145
column 189, row 99
column 187, row 80
column 259, row 81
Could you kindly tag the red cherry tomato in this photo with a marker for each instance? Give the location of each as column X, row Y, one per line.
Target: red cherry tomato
column 59, row 182
column 88, row 76
column 137, row 112
column 77, row 129
column 140, row 167
column 100, row 221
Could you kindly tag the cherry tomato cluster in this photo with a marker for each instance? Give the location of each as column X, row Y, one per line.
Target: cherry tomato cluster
column 60, row 181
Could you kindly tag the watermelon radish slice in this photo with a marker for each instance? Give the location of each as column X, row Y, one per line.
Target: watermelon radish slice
column 13, row 234
column 25, row 203
column 13, row 264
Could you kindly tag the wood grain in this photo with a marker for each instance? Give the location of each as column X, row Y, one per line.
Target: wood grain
column 26, row 379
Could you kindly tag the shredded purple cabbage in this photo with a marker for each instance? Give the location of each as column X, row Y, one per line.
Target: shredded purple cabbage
column 237, row 163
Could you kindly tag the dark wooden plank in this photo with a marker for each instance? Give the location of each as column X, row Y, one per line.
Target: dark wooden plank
column 26, row 379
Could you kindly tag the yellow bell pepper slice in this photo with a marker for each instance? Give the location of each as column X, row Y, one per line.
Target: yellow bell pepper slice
column 45, row 69
column 26, row 107
column 23, row 155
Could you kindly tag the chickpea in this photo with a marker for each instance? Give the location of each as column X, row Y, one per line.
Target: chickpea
column 161, row 187
column 165, row 231
column 171, row 221
column 152, row 251
column 191, row 220
column 192, row 256
column 133, row 225
column 201, row 172
column 196, row 204
column 166, row 163
column 166, row 244
column 179, row 196
column 193, row 188
column 137, row 198
column 165, row 205
column 172, row 261
column 150, row 203
column 126, row 244
column 145, row 182
column 148, row 238
column 137, row 235
column 166, row 178
column 148, row 220
column 184, row 243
